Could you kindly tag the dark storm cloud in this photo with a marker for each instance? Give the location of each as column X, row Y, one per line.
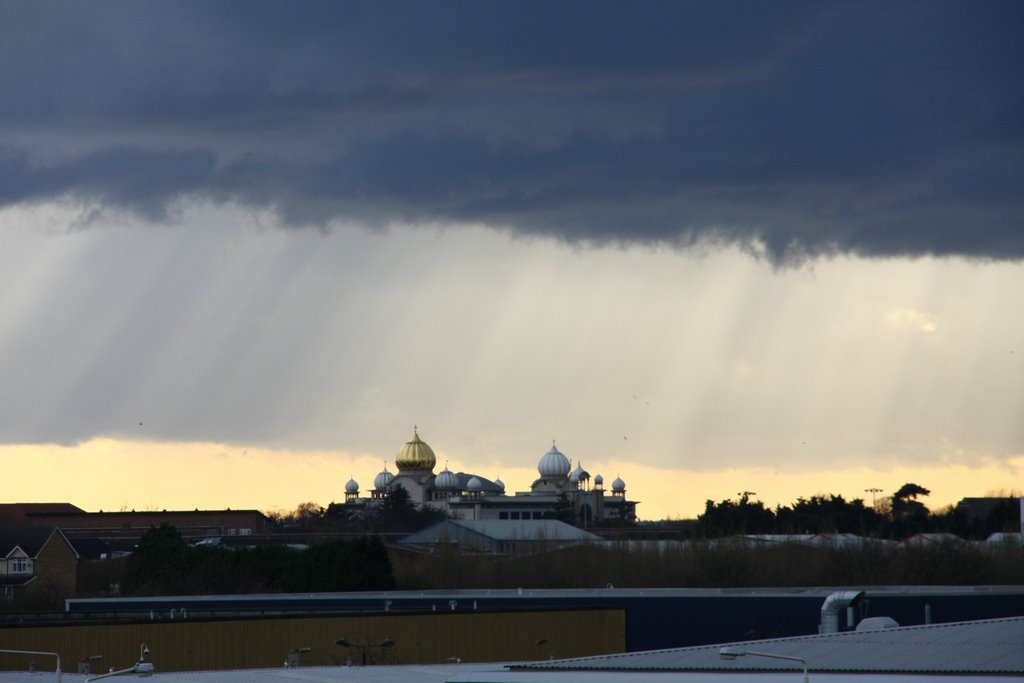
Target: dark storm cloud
column 870, row 128
column 137, row 179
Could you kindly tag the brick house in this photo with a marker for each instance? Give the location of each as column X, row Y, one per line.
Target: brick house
column 38, row 563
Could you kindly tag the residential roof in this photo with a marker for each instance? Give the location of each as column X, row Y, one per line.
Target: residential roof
column 92, row 548
column 18, row 513
column 993, row 646
column 29, row 539
column 165, row 513
column 979, row 508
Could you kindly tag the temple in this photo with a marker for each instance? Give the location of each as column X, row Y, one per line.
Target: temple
column 558, row 492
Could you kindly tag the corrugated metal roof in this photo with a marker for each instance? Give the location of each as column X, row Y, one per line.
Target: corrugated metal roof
column 813, row 540
column 994, row 646
column 506, row 530
column 532, row 529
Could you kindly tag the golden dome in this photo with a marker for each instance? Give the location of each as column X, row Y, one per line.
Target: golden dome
column 415, row 455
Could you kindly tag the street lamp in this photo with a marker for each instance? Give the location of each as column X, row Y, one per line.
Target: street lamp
column 541, row 643
column 387, row 642
column 140, row 667
column 730, row 653
column 85, row 663
column 292, row 660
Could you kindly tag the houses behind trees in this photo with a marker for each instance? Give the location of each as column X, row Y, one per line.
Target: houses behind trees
column 896, row 517
column 163, row 563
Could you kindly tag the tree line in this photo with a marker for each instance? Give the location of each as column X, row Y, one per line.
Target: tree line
column 164, row 564
column 701, row 564
column 897, row 516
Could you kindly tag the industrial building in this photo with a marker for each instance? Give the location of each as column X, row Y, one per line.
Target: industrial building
column 985, row 651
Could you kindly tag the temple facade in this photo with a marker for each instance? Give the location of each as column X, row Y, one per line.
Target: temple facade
column 559, row 491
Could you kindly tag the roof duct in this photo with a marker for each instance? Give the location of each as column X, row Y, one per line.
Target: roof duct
column 833, row 605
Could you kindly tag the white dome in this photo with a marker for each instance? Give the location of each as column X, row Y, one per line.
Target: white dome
column 554, row 463
column 599, row 480
column 618, row 485
column 446, row 480
column 352, row 486
column 382, row 480
column 500, row 484
column 474, row 484
column 579, row 474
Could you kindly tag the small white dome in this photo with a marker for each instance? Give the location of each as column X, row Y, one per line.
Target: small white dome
column 554, row 463
column 599, row 480
column 500, row 484
column 474, row 484
column 579, row 474
column 352, row 486
column 618, row 485
column 382, row 480
column 446, row 480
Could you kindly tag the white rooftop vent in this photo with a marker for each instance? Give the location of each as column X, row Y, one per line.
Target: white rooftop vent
column 877, row 624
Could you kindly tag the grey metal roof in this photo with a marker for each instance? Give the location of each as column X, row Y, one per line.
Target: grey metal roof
column 813, row 540
column 485, row 483
column 526, row 529
column 507, row 530
column 993, row 646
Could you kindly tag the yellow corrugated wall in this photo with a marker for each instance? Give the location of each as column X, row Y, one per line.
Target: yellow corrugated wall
column 258, row 643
